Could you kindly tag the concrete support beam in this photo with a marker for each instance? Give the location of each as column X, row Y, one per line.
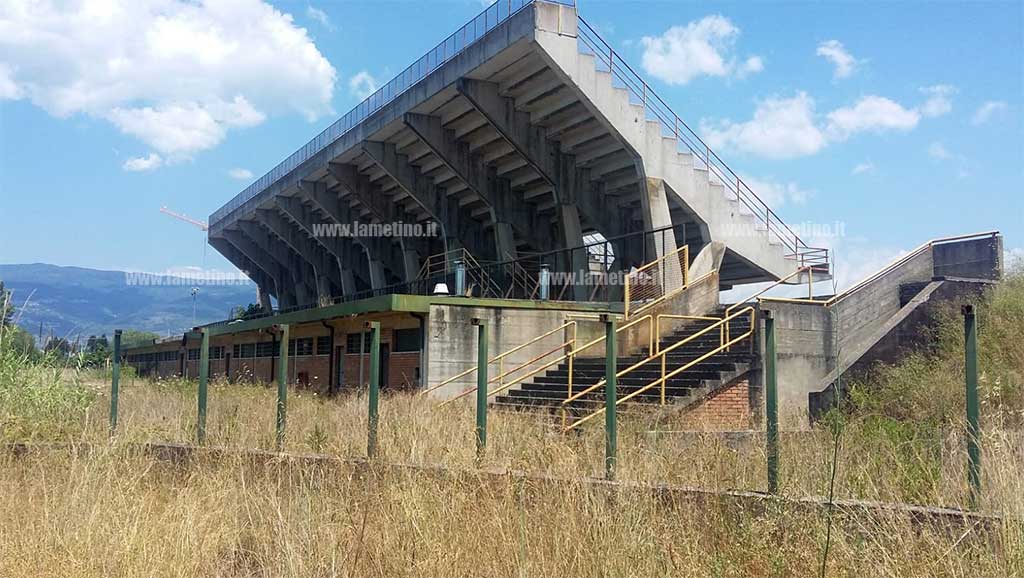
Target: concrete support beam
column 284, row 282
column 340, row 248
column 360, row 188
column 458, row 225
column 543, row 156
column 657, row 214
column 265, row 282
column 326, row 271
column 299, row 269
column 509, row 216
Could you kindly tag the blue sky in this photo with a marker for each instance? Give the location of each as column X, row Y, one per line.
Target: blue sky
column 901, row 120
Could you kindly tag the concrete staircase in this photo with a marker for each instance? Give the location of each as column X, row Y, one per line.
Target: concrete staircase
column 549, row 390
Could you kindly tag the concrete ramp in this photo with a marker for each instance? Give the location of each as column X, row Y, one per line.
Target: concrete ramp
column 819, row 341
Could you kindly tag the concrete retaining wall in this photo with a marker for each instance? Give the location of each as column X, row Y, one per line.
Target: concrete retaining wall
column 453, row 340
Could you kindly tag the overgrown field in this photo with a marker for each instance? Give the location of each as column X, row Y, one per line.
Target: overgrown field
column 116, row 511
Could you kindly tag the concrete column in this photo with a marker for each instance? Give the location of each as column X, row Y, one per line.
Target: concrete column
column 570, row 228
column 656, row 214
column 410, row 263
column 263, row 297
column 377, row 278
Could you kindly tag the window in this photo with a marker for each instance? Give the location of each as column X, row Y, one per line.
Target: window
column 217, row 352
column 406, row 340
column 236, row 350
column 300, row 346
column 352, row 344
column 193, row 354
column 323, row 345
column 248, row 350
column 265, row 349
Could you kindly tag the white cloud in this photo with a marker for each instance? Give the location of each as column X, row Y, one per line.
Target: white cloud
column 777, row 194
column 9, row 90
column 870, row 113
column 784, row 128
column 781, row 128
column 863, row 168
column 140, row 164
column 939, row 100
column 701, row 48
column 751, row 65
column 175, row 74
column 938, row 151
column 240, row 174
column 362, row 85
column 836, row 53
column 178, row 130
column 984, row 113
column 318, row 15
column 960, row 163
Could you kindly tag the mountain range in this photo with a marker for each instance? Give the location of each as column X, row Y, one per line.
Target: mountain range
column 75, row 301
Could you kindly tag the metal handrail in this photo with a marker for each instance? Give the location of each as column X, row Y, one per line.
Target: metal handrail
column 810, row 289
column 883, row 271
column 724, row 345
column 657, row 323
column 452, row 46
column 570, row 356
column 652, row 102
column 500, row 357
column 685, row 270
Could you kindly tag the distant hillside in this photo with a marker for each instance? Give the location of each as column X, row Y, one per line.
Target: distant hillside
column 74, row 300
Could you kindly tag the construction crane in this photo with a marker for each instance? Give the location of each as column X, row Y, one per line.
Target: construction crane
column 201, row 224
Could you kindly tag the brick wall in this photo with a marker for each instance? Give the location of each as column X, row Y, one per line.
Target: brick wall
column 727, row 409
column 402, row 373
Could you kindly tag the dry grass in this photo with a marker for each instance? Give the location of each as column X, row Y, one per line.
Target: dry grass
column 923, row 466
column 118, row 513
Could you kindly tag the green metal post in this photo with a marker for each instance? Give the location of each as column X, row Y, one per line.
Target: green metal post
column 610, row 390
column 282, row 386
column 973, row 425
column 115, row 381
column 771, row 404
column 374, row 395
column 204, row 379
column 481, row 388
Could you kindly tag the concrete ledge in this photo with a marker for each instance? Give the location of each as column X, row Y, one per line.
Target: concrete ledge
column 955, row 521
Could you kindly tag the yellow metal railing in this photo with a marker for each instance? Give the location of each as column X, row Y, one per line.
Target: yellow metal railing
column 569, row 357
column 724, row 344
column 810, row 294
column 500, row 358
column 657, row 281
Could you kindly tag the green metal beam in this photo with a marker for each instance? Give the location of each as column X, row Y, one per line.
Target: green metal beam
column 282, row 387
column 610, row 397
column 115, row 381
column 771, row 404
column 374, row 394
column 481, row 388
column 397, row 303
column 973, row 423
column 204, row 378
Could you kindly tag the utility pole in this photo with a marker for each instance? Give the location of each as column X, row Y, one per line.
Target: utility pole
column 195, row 291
